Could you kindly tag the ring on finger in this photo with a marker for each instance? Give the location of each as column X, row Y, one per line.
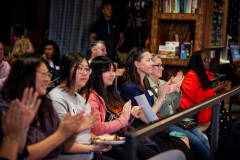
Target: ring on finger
column 31, row 105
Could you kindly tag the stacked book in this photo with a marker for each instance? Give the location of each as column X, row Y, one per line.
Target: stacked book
column 169, row 50
column 186, row 50
column 174, row 50
column 178, row 6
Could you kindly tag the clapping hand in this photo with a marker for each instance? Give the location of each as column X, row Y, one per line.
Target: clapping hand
column 175, row 83
column 29, row 104
column 136, row 111
column 88, row 121
column 12, row 121
column 162, row 91
column 69, row 125
column 126, row 110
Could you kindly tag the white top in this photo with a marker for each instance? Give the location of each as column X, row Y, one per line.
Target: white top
column 52, row 64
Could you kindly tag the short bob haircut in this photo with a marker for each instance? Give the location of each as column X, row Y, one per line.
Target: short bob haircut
column 22, row 75
column 56, row 56
column 69, row 60
column 20, row 47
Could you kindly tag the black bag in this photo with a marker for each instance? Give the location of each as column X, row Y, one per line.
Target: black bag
column 187, row 124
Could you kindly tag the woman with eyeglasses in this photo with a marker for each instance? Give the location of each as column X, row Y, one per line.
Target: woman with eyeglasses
column 135, row 83
column 116, row 115
column 47, row 136
column 198, row 142
column 197, row 87
column 74, row 74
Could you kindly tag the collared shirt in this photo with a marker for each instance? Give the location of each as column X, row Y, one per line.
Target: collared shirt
column 4, row 71
column 155, row 92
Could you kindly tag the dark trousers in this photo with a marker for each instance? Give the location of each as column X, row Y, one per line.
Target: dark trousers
column 143, row 152
column 101, row 157
column 166, row 142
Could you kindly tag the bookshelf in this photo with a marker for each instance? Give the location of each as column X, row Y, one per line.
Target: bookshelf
column 164, row 26
column 17, row 32
column 215, row 37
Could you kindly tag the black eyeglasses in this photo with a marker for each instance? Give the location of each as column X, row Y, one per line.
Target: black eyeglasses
column 206, row 60
column 159, row 65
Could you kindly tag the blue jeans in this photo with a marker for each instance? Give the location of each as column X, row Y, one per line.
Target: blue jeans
column 199, row 145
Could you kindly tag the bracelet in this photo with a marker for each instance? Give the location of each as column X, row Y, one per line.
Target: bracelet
column 90, row 148
column 8, row 138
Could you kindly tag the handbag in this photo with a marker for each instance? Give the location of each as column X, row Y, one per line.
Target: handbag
column 185, row 124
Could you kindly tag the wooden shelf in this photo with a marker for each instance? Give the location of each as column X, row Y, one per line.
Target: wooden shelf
column 177, row 16
column 209, row 23
column 175, row 62
column 222, row 46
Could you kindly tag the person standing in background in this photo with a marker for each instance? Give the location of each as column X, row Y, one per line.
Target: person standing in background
column 4, row 66
column 108, row 30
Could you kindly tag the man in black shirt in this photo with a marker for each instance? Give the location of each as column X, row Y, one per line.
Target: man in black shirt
column 109, row 31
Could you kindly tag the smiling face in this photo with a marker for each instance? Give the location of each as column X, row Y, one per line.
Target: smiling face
column 145, row 65
column 109, row 76
column 42, row 81
column 100, row 50
column 157, row 68
column 81, row 78
column 49, row 51
column 206, row 63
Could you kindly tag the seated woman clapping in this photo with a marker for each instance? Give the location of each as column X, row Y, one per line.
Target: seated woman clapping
column 135, row 83
column 17, row 118
column 47, row 136
column 198, row 143
column 116, row 115
column 74, row 74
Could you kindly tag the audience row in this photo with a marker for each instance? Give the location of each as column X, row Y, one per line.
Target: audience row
column 84, row 103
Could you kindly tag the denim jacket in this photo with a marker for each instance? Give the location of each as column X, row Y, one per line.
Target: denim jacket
column 172, row 99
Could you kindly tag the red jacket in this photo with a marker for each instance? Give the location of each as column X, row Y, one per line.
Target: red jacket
column 193, row 93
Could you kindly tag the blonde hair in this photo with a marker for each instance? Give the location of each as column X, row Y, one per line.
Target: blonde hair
column 20, row 47
column 154, row 57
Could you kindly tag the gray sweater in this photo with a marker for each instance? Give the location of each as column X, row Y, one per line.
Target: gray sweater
column 63, row 102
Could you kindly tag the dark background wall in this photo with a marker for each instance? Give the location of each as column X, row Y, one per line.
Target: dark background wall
column 34, row 15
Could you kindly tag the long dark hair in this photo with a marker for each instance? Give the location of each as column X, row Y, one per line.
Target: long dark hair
column 110, row 95
column 196, row 64
column 69, row 60
column 56, row 56
column 22, row 75
column 130, row 73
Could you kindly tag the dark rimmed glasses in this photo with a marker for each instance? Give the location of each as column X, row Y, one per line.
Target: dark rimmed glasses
column 158, row 65
column 206, row 60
